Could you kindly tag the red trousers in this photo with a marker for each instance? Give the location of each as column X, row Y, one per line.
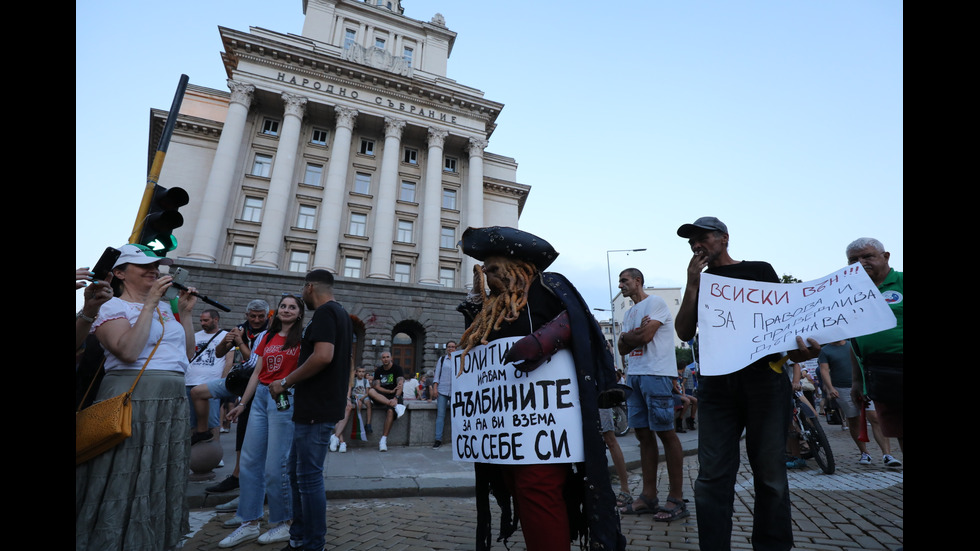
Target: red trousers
column 541, row 508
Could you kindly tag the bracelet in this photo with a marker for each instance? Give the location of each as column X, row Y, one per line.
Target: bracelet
column 83, row 317
column 283, row 383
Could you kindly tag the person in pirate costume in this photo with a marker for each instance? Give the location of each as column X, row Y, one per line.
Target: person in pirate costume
column 555, row 503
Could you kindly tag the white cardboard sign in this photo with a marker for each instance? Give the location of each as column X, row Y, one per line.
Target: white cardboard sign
column 740, row 321
column 503, row 416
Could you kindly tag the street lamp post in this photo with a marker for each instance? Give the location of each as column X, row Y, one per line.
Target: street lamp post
column 612, row 304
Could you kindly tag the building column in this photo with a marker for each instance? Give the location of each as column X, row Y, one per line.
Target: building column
column 384, row 217
column 207, row 239
column 269, row 249
column 474, row 199
column 428, row 269
column 332, row 215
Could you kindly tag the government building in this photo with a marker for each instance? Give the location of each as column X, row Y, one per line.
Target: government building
column 346, row 148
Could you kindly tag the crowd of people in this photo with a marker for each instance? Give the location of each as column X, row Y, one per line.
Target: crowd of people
column 304, row 393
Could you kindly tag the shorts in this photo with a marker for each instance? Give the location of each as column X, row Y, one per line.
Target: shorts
column 606, row 420
column 651, row 405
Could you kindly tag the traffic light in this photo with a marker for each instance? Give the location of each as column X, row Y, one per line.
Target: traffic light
column 162, row 218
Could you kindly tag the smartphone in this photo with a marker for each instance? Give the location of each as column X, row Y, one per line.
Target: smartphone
column 180, row 276
column 105, row 263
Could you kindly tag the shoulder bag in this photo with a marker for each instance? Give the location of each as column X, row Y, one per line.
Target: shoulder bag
column 104, row 425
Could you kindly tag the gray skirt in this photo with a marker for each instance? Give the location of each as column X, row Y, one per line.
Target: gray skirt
column 133, row 496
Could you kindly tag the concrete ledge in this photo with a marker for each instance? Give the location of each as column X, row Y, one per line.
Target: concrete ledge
column 416, row 428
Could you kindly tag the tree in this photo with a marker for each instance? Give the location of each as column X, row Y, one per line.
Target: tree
column 789, row 279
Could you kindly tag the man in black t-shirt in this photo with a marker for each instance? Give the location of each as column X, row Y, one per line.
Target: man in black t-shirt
column 319, row 402
column 386, row 391
column 755, row 398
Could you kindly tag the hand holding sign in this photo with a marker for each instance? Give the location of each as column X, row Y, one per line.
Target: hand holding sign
column 741, row 321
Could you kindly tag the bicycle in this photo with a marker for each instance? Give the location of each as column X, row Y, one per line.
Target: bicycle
column 620, row 420
column 814, row 443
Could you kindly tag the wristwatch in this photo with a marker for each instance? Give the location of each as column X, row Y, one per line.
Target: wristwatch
column 282, row 383
column 84, row 317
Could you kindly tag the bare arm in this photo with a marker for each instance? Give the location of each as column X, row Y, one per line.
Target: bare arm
column 638, row 336
column 686, row 323
column 320, row 358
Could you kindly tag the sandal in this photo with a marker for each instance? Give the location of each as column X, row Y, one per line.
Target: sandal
column 677, row 512
column 623, row 499
column 647, row 507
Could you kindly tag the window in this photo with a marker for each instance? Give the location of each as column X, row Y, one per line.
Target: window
column 407, row 193
column 449, row 199
column 319, row 136
column 447, row 277
column 313, row 174
column 270, row 127
column 407, row 55
column 411, row 156
column 406, row 228
column 252, row 209
column 350, row 36
column 306, row 219
column 362, row 183
column 450, row 164
column 403, row 272
column 352, row 267
column 358, row 224
column 241, row 255
column 299, row 261
column 379, row 43
column 262, row 166
column 367, row 147
column 447, row 240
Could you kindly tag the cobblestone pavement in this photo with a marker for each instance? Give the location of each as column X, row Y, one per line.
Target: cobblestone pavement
column 858, row 507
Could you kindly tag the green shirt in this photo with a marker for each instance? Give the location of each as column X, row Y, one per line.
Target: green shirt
column 888, row 341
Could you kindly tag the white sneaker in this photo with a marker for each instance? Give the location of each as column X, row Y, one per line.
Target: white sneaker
column 399, row 410
column 245, row 532
column 865, row 459
column 383, row 445
column 890, row 461
column 228, row 507
column 221, row 463
column 334, row 442
column 278, row 533
column 343, row 447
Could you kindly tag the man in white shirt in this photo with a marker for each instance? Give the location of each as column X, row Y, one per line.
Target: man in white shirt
column 206, row 366
column 648, row 340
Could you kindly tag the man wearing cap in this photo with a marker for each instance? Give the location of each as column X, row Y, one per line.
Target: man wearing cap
column 754, row 398
column 523, row 298
column 881, row 353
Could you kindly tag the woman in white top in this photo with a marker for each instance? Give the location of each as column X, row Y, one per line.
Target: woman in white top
column 132, row 496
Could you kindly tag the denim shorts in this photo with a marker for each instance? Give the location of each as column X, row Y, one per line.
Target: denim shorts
column 651, row 405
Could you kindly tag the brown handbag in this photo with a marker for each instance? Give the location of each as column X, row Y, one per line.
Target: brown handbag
column 104, row 425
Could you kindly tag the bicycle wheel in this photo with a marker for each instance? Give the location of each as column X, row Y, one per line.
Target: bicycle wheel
column 817, row 440
column 620, row 421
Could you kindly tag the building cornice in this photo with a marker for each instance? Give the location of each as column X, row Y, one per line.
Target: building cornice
column 299, row 55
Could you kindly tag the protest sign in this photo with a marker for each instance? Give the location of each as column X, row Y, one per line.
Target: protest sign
column 501, row 415
column 740, row 321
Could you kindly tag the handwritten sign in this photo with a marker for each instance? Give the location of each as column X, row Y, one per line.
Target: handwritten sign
column 501, row 415
column 740, row 321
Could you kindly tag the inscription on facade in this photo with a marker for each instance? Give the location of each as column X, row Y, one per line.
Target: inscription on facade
column 367, row 97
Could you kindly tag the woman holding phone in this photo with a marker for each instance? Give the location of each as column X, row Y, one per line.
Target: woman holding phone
column 132, row 496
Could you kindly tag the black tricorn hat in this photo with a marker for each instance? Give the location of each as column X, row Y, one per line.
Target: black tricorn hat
column 481, row 243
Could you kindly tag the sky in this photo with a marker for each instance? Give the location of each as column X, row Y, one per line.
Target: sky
column 782, row 118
